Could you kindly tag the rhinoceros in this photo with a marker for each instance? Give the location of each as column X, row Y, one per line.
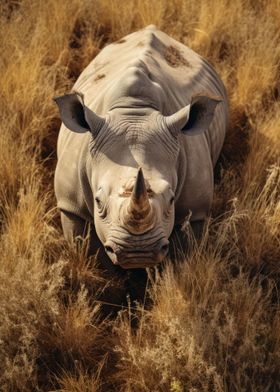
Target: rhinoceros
column 142, row 130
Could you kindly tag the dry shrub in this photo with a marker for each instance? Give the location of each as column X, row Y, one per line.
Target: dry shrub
column 212, row 337
column 76, row 329
column 212, row 326
column 81, row 382
column 214, row 323
column 28, row 289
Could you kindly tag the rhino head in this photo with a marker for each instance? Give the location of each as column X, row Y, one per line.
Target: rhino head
column 135, row 174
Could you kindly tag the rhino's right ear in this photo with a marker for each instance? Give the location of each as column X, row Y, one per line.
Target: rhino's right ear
column 195, row 118
column 76, row 116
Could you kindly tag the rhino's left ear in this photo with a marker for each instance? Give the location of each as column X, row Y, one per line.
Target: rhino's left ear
column 76, row 116
column 195, row 118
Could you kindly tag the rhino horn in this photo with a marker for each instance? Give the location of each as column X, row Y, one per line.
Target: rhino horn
column 139, row 216
column 139, row 200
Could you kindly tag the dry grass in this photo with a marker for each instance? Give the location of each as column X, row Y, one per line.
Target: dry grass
column 212, row 321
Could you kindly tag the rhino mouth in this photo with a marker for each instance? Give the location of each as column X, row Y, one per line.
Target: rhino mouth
column 138, row 258
column 136, row 265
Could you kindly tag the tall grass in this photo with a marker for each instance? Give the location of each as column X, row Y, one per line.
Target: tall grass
column 209, row 322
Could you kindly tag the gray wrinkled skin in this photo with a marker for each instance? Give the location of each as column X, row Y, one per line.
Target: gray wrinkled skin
column 146, row 102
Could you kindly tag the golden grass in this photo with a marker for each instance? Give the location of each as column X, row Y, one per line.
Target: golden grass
column 209, row 323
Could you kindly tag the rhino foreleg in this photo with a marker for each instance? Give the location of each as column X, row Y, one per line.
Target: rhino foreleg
column 76, row 229
column 197, row 228
column 73, row 226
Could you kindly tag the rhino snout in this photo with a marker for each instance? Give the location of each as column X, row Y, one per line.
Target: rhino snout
column 136, row 257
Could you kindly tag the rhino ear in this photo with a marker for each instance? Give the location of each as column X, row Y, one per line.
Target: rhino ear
column 76, row 116
column 195, row 118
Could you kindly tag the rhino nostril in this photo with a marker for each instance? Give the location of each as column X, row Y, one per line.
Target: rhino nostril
column 165, row 248
column 109, row 249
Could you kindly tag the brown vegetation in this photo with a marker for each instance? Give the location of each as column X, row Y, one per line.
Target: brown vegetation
column 210, row 323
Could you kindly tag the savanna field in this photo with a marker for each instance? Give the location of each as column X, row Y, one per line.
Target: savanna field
column 209, row 320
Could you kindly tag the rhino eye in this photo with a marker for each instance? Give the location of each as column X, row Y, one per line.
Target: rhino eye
column 171, row 200
column 101, row 207
column 98, row 202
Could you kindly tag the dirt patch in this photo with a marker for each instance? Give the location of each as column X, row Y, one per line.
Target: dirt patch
column 98, row 77
column 174, row 57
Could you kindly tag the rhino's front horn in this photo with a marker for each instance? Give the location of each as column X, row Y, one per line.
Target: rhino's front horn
column 139, row 201
column 139, row 217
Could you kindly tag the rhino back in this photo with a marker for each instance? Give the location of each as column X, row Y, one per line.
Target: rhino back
column 178, row 70
column 160, row 72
